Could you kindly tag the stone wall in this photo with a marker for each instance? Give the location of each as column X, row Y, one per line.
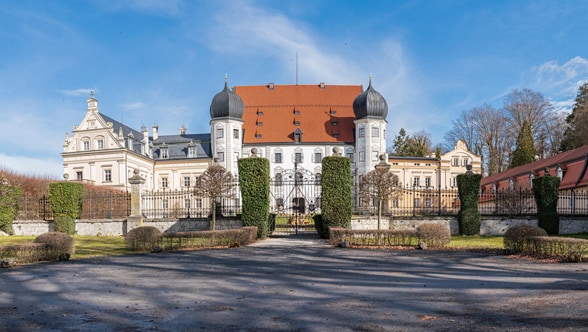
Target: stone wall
column 118, row 227
column 490, row 226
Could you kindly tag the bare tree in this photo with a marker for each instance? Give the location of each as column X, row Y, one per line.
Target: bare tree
column 464, row 129
column 530, row 106
column 215, row 183
column 494, row 135
column 379, row 185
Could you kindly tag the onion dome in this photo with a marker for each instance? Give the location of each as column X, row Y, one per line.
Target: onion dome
column 370, row 104
column 226, row 104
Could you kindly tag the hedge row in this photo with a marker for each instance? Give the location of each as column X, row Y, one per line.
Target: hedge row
column 254, row 181
column 148, row 238
column 337, row 200
column 555, row 246
column 49, row 246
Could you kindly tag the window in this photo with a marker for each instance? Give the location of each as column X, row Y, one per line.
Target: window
column 416, row 182
column 334, row 123
column 280, row 204
column 79, row 175
column 417, row 202
column 278, row 157
column 258, row 136
column 107, row 175
column 350, row 155
column 221, row 156
column 163, row 153
column 454, row 182
column 428, row 181
column 187, row 203
column 86, row 145
column 296, row 112
column 298, row 157
column 395, row 203
column 375, row 156
column 100, row 144
column 464, row 162
column 318, row 178
column 191, row 151
column 428, row 203
column 361, row 132
column 297, row 123
column 318, row 157
column 186, row 181
column 164, row 182
column 220, row 133
column 361, row 156
column 259, row 113
column 198, row 203
column 278, row 179
column 375, row 132
column 236, row 133
column 259, row 123
column 297, row 135
column 455, row 162
column 298, row 178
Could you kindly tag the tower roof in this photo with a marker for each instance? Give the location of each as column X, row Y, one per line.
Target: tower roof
column 370, row 104
column 226, row 104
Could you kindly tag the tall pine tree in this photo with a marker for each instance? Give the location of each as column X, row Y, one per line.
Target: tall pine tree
column 576, row 135
column 525, row 151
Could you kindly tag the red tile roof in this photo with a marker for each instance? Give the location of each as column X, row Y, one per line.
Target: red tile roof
column 323, row 113
column 574, row 162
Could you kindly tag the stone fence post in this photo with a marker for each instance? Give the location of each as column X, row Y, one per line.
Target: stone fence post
column 136, row 218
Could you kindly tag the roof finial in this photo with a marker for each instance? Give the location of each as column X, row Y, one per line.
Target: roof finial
column 370, row 76
column 91, row 93
column 226, row 79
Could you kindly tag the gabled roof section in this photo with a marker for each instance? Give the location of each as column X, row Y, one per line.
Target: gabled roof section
column 573, row 161
column 324, row 113
column 177, row 146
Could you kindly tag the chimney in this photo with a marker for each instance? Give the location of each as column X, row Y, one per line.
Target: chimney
column 155, row 134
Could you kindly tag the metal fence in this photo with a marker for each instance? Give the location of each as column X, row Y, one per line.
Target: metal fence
column 294, row 201
column 187, row 204
column 112, row 204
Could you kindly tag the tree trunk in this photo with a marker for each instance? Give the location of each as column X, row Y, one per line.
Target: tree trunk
column 213, row 224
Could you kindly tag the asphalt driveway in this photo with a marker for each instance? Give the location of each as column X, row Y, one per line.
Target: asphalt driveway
column 296, row 284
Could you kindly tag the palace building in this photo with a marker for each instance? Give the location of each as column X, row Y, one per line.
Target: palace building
column 294, row 126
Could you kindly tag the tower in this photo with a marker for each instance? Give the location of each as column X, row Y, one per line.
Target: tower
column 226, row 128
column 370, row 110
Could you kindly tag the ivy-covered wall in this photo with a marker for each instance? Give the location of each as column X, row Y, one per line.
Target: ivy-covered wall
column 546, row 192
column 66, row 204
column 469, row 218
column 9, row 198
column 254, row 181
column 337, row 199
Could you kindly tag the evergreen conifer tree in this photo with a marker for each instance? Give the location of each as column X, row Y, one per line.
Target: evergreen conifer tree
column 525, row 151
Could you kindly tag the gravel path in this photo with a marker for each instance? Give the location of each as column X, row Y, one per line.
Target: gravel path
column 296, row 284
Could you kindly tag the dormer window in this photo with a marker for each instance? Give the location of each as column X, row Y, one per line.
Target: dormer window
column 163, row 152
column 191, row 151
column 297, row 136
column 559, row 172
column 86, row 145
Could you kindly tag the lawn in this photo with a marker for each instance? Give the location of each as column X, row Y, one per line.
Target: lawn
column 88, row 246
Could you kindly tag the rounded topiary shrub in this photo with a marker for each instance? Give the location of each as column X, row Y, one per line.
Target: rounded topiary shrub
column 434, row 235
column 144, row 238
column 58, row 245
column 515, row 238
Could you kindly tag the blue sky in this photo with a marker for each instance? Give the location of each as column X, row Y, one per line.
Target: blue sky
column 161, row 62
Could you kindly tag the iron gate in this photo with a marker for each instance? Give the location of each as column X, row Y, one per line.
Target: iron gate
column 295, row 199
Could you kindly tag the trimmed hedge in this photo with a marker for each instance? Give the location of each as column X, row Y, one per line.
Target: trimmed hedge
column 142, row 238
column 373, row 237
column 320, row 227
column 148, row 238
column 546, row 191
column 24, row 253
column 337, row 200
column 9, row 198
column 66, row 204
column 254, row 181
column 58, row 244
column 516, row 238
column 434, row 235
column 468, row 218
column 554, row 246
